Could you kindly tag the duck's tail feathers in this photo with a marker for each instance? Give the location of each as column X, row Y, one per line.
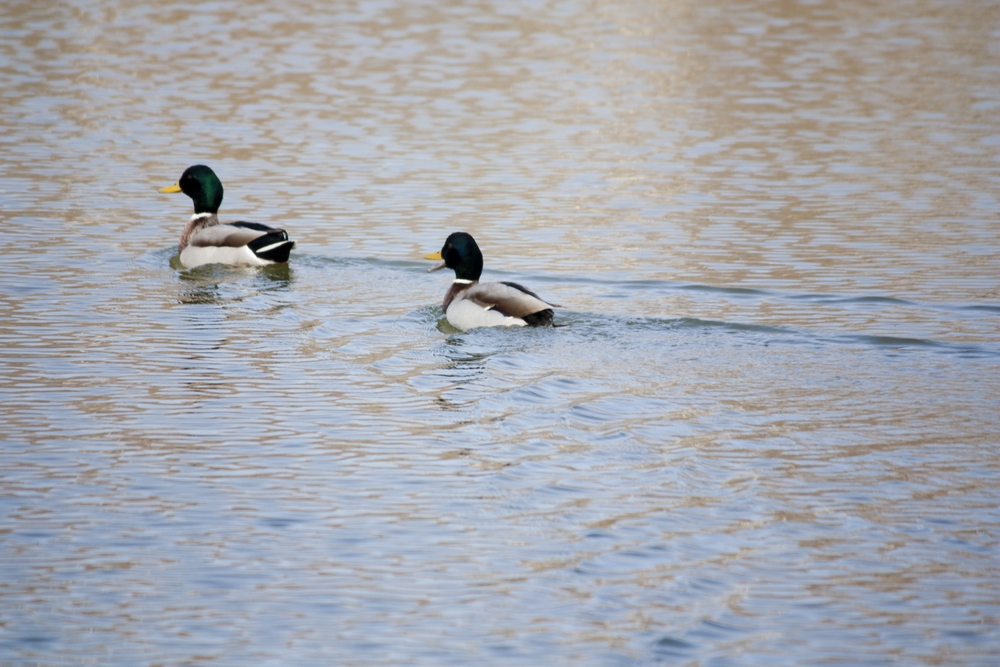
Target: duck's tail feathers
column 542, row 318
column 273, row 246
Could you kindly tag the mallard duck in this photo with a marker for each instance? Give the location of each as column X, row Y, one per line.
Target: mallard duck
column 207, row 241
column 470, row 303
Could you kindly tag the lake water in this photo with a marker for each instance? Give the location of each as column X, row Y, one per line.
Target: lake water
column 768, row 433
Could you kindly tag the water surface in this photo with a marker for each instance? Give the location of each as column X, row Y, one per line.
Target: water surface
column 767, row 432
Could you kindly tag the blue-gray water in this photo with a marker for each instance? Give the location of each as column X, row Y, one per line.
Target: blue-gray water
column 769, row 433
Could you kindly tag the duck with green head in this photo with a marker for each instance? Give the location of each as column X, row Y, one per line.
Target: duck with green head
column 469, row 303
column 207, row 241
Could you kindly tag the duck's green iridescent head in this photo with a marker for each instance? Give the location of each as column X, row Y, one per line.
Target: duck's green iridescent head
column 460, row 253
column 203, row 187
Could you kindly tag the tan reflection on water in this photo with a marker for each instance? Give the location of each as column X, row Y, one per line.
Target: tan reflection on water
column 801, row 146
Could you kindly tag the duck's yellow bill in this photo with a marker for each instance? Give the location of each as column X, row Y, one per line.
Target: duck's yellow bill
column 176, row 187
column 437, row 257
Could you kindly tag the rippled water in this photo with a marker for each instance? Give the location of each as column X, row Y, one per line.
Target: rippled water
column 769, row 432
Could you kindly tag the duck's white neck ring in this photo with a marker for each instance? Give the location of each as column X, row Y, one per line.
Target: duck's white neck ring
column 464, row 281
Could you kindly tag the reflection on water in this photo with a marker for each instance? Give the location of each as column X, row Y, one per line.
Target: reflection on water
column 766, row 435
column 208, row 283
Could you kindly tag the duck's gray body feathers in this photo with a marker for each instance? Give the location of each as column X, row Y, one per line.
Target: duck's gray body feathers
column 468, row 305
column 207, row 241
